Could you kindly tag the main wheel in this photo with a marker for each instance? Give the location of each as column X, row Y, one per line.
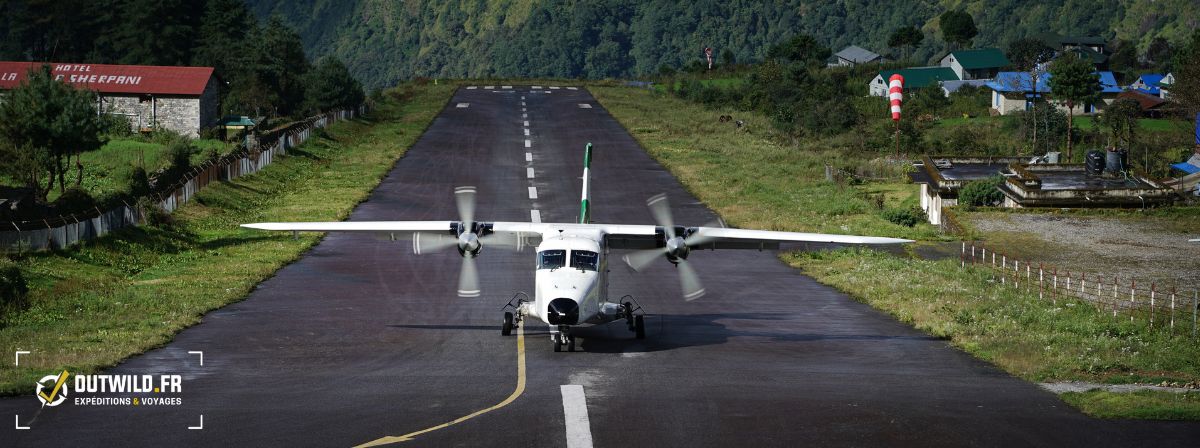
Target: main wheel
column 557, row 346
column 508, row 324
column 571, row 344
column 639, row 327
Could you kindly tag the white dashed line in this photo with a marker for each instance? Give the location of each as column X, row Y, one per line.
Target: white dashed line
column 528, row 143
column 524, row 115
column 472, row 87
column 523, row 110
column 537, row 87
column 489, row 87
column 526, row 132
column 505, row 87
column 532, row 192
column 529, row 158
column 585, row 106
column 575, row 415
column 529, row 171
column 572, row 88
column 555, row 87
column 464, row 105
column 535, row 216
column 526, row 123
column 522, row 97
column 522, row 103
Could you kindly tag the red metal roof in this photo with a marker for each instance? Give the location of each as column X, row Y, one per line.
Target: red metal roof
column 102, row 78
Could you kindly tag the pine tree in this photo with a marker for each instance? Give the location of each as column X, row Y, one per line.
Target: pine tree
column 1073, row 80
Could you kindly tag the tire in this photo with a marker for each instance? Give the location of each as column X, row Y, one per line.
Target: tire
column 639, row 327
column 571, row 344
column 557, row 346
column 506, row 329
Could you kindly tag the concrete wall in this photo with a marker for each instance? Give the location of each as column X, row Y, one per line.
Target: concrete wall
column 1007, row 103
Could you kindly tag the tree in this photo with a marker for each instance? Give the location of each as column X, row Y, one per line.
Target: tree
column 225, row 33
column 1027, row 53
column 727, row 58
column 1073, row 80
column 1124, row 59
column 330, row 86
column 43, row 122
column 1186, row 90
column 905, row 37
column 1159, row 55
column 1120, row 122
column 284, row 65
column 958, row 27
column 800, row 48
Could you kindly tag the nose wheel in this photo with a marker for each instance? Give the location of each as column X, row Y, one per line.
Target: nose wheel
column 563, row 337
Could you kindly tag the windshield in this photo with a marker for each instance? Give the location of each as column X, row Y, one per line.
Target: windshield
column 551, row 259
column 583, row 259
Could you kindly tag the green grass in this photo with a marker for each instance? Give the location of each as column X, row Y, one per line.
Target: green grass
column 753, row 178
column 724, row 83
column 1148, row 124
column 95, row 305
column 1154, row 405
column 749, row 177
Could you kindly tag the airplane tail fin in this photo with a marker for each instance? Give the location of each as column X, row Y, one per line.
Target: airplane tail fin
column 585, row 210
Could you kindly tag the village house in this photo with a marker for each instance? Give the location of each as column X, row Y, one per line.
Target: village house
column 854, row 55
column 914, row 78
column 1147, row 83
column 983, row 63
column 1164, row 84
column 180, row 99
column 1013, row 91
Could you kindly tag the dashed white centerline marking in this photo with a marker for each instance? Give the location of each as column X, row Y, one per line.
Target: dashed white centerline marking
column 537, row 87
column 529, row 158
column 579, row 428
column 526, row 132
column 555, row 87
column 489, row 87
column 572, row 88
column 526, row 123
column 528, row 143
column 585, row 106
column 464, row 105
column 532, row 192
column 472, row 87
column 505, row 87
column 523, row 110
column 524, row 115
column 522, row 103
column 529, row 171
column 535, row 216
column 522, row 97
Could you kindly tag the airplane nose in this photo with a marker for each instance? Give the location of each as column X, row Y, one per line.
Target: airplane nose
column 563, row 312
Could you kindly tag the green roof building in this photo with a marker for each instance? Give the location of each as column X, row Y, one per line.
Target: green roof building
column 982, row 63
column 914, row 78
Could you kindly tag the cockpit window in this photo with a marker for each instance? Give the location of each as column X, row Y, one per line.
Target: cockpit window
column 583, row 259
column 551, row 259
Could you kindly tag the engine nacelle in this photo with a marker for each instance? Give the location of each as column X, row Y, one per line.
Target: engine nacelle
column 677, row 249
column 468, row 238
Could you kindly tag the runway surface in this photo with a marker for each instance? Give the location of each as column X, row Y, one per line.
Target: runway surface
column 360, row 339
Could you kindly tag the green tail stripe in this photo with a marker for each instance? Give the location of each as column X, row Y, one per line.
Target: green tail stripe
column 583, row 212
column 587, row 156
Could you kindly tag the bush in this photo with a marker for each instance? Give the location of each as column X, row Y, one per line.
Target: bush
column 981, row 193
column 115, row 125
column 180, row 152
column 153, row 214
column 13, row 290
column 139, row 182
column 74, row 200
column 907, row 217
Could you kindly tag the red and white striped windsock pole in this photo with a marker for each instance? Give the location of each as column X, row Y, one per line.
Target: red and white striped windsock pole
column 896, row 95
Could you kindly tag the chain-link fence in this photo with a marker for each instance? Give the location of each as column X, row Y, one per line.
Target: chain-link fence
column 65, row 231
column 1157, row 307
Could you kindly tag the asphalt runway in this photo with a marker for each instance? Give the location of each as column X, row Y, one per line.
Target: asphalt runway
column 361, row 340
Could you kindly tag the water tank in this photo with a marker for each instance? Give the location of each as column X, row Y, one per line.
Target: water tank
column 1094, row 160
column 1052, row 157
column 1114, row 161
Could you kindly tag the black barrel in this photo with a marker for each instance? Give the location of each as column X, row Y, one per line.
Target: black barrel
column 1094, row 160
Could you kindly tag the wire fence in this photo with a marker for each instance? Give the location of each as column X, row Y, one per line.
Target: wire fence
column 1153, row 306
column 64, row 231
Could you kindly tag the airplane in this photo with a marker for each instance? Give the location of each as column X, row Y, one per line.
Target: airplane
column 571, row 270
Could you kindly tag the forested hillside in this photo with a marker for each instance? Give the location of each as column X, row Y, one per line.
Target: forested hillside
column 384, row 40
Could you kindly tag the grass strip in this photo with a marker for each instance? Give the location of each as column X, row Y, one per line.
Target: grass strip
column 95, row 305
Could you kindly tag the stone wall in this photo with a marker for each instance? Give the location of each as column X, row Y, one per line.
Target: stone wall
column 182, row 114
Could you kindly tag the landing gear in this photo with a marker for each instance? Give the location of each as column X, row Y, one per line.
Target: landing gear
column 563, row 337
column 636, row 322
column 639, row 326
column 506, row 329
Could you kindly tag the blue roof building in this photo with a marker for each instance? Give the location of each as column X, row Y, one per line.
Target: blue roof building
column 1013, row 91
column 1147, row 83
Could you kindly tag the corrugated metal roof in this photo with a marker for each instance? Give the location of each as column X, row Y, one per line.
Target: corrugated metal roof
column 981, row 58
column 103, row 78
column 1021, row 82
column 857, row 54
column 917, row 77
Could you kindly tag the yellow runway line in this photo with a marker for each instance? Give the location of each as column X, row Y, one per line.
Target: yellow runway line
column 516, row 393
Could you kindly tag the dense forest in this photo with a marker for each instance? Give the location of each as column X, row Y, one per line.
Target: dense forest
column 383, row 41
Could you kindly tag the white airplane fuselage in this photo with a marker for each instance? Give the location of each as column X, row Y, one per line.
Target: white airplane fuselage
column 570, row 278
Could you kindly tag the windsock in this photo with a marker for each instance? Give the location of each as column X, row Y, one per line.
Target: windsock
column 896, row 94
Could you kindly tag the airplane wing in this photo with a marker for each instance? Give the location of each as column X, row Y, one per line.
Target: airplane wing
column 648, row 237
column 382, row 227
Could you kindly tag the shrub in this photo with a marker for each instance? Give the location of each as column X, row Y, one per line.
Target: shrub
column 907, row 217
column 153, row 214
column 73, row 200
column 115, row 125
column 180, row 152
column 13, row 290
column 139, row 182
column 981, row 193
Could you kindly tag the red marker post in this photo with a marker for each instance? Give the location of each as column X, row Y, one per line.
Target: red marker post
column 896, row 95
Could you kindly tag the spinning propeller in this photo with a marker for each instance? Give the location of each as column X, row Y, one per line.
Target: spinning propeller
column 676, row 248
column 468, row 238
